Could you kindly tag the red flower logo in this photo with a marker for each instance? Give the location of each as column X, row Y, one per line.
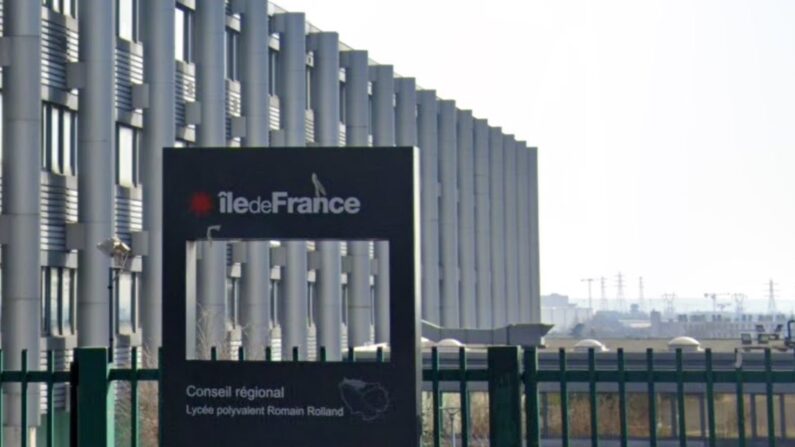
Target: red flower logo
column 201, row 204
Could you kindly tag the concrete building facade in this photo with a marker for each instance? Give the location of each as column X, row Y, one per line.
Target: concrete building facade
column 92, row 90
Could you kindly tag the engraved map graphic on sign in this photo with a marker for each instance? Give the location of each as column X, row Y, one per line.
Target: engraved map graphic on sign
column 363, row 399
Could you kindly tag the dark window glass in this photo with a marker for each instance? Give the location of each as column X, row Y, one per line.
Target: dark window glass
column 232, row 300
column 272, row 64
column 45, row 301
column 309, row 101
column 232, row 55
column 58, row 139
column 274, row 302
column 69, row 301
column 45, row 125
column 310, row 302
column 370, row 113
column 345, row 292
column 342, row 102
column 1, row 131
column 58, row 295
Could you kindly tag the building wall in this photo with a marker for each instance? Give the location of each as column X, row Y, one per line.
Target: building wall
column 108, row 108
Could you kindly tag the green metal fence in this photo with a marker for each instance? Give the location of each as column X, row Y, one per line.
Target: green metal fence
column 515, row 381
column 512, row 379
column 92, row 404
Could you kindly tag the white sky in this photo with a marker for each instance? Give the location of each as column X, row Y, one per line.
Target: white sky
column 666, row 129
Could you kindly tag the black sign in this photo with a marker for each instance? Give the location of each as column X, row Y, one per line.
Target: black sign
column 292, row 193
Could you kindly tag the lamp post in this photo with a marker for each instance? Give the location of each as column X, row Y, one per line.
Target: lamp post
column 115, row 249
column 451, row 412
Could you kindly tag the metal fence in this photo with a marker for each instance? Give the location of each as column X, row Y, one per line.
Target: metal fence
column 519, row 387
column 522, row 385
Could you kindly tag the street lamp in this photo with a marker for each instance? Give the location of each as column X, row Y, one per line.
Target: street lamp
column 117, row 250
column 451, row 412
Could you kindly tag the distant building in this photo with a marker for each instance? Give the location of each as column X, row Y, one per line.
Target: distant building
column 557, row 310
column 708, row 325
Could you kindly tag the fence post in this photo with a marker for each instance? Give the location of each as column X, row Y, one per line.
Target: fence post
column 532, row 409
column 505, row 417
column 94, row 399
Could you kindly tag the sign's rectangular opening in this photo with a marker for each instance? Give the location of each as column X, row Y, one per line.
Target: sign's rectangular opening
column 245, row 300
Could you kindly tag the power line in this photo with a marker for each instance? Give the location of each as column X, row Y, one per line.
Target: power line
column 620, row 292
column 670, row 309
column 603, row 300
column 772, row 309
column 739, row 305
column 590, row 295
column 641, row 295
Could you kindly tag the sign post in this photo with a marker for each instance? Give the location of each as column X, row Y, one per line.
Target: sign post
column 283, row 194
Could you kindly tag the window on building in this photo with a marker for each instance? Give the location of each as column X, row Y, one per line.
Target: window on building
column 372, row 304
column 65, row 7
column 68, row 302
column 342, row 102
column 127, row 295
column 345, row 296
column 68, row 142
column 232, row 302
column 274, row 302
column 55, row 125
column 58, row 295
column 58, row 139
column 309, row 101
column 127, row 150
column 45, row 301
column 127, row 19
column 311, row 293
column 273, row 57
column 370, row 117
column 232, row 38
column 1, row 132
column 183, row 23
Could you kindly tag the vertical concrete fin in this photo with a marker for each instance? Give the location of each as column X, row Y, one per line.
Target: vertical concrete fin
column 482, row 225
column 357, row 129
column 383, row 78
column 211, row 95
column 427, row 131
column 535, row 284
column 497, row 196
column 466, row 219
column 96, row 155
column 448, row 214
column 510, row 229
column 21, row 318
column 291, row 89
column 157, row 22
column 255, row 272
column 326, row 106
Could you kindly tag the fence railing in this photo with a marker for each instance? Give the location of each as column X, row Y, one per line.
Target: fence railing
column 518, row 386
column 519, row 392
